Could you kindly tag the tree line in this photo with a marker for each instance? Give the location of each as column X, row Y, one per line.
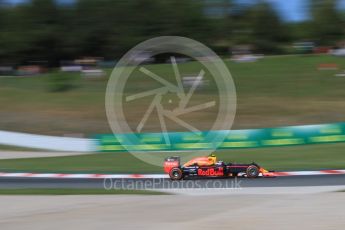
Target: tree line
column 46, row 30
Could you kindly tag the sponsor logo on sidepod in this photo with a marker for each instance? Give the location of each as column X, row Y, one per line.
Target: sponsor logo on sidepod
column 211, row 172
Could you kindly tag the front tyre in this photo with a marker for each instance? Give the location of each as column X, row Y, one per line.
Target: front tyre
column 176, row 174
column 252, row 171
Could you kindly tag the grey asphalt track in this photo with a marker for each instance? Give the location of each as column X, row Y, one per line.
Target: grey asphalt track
column 319, row 180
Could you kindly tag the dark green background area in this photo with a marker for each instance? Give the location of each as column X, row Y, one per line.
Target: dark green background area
column 309, row 157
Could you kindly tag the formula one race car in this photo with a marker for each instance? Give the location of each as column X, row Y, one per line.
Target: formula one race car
column 220, row 169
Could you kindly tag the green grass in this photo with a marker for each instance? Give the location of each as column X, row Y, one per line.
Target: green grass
column 274, row 91
column 324, row 156
column 16, row 148
column 64, row 191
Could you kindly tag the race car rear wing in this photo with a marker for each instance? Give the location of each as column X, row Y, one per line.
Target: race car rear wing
column 171, row 162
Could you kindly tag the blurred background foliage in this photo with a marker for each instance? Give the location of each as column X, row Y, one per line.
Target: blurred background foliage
column 49, row 30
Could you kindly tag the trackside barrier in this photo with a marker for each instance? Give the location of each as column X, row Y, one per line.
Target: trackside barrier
column 183, row 141
column 47, row 142
column 228, row 139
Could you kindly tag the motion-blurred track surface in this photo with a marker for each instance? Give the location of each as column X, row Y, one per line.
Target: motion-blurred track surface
column 293, row 181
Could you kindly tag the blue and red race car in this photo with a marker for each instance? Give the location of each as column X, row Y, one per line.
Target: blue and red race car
column 173, row 167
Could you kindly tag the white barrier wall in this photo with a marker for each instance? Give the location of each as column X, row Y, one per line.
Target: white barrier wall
column 47, row 142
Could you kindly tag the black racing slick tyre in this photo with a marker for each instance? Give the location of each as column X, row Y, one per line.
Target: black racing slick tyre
column 176, row 174
column 252, row 171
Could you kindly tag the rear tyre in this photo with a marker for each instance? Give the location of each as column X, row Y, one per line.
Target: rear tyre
column 176, row 174
column 252, row 171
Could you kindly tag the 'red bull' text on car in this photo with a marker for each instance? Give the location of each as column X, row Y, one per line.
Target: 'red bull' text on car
column 209, row 167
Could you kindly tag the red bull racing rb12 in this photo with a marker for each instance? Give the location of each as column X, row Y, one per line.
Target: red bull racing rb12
column 217, row 169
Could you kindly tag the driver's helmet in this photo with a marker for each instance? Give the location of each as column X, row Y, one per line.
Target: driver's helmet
column 212, row 157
